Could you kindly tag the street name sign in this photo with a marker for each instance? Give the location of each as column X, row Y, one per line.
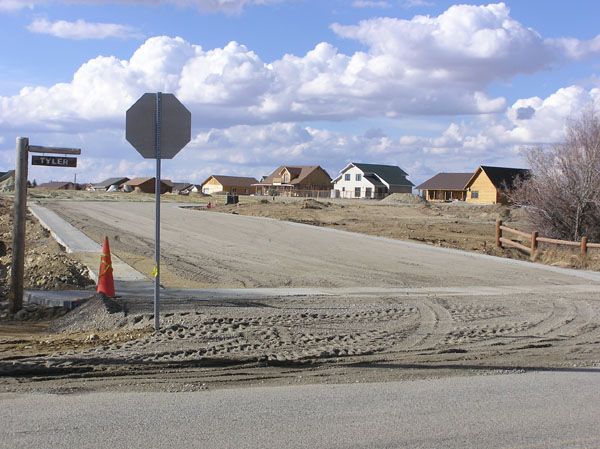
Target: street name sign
column 54, row 161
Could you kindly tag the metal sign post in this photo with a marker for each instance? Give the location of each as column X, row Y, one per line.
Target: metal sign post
column 158, row 126
column 18, row 244
column 157, row 123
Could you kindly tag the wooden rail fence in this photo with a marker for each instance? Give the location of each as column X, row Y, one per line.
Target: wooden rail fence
column 533, row 238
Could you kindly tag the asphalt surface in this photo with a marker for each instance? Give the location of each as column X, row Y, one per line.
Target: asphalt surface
column 536, row 410
column 225, row 250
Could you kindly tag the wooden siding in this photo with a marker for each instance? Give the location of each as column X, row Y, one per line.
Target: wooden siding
column 487, row 192
column 317, row 180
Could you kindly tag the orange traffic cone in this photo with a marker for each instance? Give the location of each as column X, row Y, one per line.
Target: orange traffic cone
column 106, row 283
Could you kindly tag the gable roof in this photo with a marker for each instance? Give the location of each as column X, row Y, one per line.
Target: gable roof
column 298, row 172
column 374, row 180
column 390, row 174
column 111, row 182
column 501, row 177
column 446, row 181
column 54, row 184
column 234, row 181
column 179, row 186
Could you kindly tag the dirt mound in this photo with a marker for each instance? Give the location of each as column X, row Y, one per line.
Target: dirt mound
column 7, row 182
column 402, row 198
column 47, row 266
column 314, row 204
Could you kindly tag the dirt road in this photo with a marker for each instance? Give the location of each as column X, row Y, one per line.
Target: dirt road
column 201, row 249
column 372, row 309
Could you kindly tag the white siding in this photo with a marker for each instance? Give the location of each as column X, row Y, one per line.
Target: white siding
column 347, row 189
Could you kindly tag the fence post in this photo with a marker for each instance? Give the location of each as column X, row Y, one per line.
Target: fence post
column 534, row 245
column 583, row 246
column 498, row 233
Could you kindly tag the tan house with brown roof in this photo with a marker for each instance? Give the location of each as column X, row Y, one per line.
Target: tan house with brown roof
column 236, row 185
column 445, row 187
column 296, row 180
column 146, row 185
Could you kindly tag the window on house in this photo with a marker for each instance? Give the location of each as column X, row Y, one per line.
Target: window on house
column 357, row 192
column 474, row 195
column 358, row 176
column 368, row 192
column 347, row 177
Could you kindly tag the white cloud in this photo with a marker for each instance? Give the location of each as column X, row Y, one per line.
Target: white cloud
column 255, row 150
column 81, row 29
column 15, row 5
column 416, row 3
column 227, row 6
column 423, row 66
column 371, row 4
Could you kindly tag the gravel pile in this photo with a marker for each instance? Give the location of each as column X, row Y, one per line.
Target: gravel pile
column 98, row 313
column 31, row 312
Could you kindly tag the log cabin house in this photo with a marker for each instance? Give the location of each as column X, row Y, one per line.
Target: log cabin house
column 488, row 184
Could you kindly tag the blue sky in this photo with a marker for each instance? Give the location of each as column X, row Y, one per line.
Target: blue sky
column 307, row 82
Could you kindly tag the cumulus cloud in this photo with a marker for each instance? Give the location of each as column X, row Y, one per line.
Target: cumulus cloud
column 427, row 65
column 255, row 150
column 81, row 29
column 227, row 6
column 466, row 44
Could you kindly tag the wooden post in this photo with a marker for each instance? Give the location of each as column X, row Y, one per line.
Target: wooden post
column 534, row 245
column 18, row 242
column 498, row 233
column 583, row 246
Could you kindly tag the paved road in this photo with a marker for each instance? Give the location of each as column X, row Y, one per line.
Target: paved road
column 224, row 250
column 536, row 410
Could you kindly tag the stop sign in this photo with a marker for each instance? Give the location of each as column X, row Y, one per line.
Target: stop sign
column 175, row 125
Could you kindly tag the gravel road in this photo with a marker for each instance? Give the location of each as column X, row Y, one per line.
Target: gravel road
column 337, row 307
column 202, row 249
column 547, row 410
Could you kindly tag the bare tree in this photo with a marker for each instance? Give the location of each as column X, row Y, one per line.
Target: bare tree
column 562, row 196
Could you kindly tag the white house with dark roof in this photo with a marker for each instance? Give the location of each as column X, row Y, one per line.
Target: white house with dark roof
column 110, row 184
column 358, row 180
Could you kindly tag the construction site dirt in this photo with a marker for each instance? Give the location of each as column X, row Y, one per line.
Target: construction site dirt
column 399, row 312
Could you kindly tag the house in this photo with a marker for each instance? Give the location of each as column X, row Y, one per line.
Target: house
column 145, row 185
column 357, row 180
column 237, row 185
column 296, row 180
column 488, row 184
column 181, row 188
column 110, row 185
column 445, row 187
column 58, row 185
column 193, row 188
